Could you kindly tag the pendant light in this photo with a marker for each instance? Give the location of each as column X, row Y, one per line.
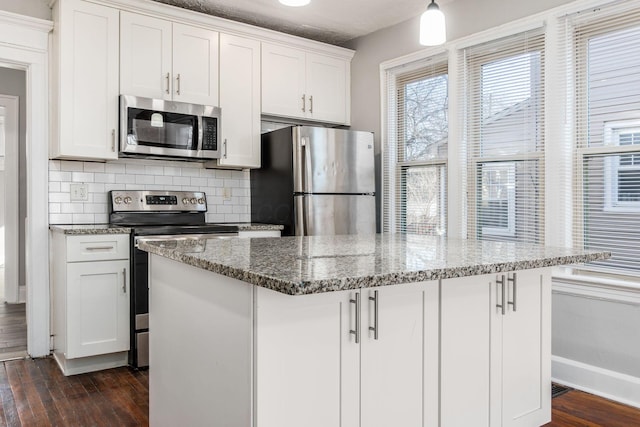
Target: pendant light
column 295, row 3
column 433, row 30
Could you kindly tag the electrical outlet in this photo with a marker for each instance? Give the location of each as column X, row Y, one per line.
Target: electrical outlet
column 79, row 192
column 226, row 193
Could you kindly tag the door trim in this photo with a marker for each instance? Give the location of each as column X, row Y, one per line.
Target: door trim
column 24, row 44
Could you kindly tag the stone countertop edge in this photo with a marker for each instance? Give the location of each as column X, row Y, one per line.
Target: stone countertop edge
column 253, row 226
column 349, row 283
column 88, row 229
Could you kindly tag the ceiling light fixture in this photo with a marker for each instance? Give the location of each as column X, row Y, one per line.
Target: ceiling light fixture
column 295, row 3
column 433, row 30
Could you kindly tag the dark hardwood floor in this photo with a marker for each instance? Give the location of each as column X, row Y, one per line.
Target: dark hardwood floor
column 13, row 331
column 35, row 393
column 578, row 409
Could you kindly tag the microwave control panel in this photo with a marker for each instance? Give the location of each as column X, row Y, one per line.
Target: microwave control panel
column 210, row 133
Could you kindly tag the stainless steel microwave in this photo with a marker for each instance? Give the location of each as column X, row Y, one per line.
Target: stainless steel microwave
column 155, row 128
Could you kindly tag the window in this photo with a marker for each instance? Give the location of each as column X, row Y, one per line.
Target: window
column 606, row 59
column 622, row 173
column 415, row 180
column 505, row 137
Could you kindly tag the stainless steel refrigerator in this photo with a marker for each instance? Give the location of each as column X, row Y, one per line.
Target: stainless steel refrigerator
column 315, row 181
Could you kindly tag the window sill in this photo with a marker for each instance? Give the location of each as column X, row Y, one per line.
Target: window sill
column 594, row 286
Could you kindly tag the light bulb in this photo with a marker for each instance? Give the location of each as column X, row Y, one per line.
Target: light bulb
column 295, row 3
column 433, row 30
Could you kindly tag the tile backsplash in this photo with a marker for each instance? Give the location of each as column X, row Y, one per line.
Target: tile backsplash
column 137, row 174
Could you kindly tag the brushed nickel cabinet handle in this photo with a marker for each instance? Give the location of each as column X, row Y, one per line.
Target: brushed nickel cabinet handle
column 178, row 88
column 304, row 103
column 168, row 77
column 124, row 280
column 503, row 304
column 224, row 151
column 375, row 327
column 514, row 281
column 99, row 248
column 113, row 140
column 311, row 102
column 356, row 332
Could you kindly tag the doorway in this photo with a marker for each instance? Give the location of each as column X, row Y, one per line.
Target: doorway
column 13, row 324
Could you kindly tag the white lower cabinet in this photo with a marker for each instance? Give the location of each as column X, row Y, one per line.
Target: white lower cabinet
column 311, row 371
column 495, row 362
column 90, row 289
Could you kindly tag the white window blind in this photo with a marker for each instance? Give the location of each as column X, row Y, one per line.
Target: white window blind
column 602, row 50
column 503, row 113
column 415, row 156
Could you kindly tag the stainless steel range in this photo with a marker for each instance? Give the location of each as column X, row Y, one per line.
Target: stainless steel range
column 156, row 215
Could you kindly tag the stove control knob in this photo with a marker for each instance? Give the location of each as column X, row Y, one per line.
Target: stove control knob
column 194, row 200
column 127, row 200
column 118, row 200
column 201, row 201
column 185, row 201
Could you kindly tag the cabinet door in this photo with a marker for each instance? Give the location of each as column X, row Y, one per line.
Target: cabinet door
column 525, row 350
column 465, row 330
column 97, row 308
column 283, row 81
column 327, row 83
column 399, row 368
column 88, row 74
column 307, row 367
column 195, row 65
column 145, row 56
column 240, row 101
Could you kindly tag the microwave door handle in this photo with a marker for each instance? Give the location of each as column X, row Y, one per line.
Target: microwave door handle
column 199, row 146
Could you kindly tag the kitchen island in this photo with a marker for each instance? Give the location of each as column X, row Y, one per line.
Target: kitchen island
column 368, row 331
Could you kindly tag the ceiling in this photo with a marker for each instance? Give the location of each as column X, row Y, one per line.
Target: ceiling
column 329, row 21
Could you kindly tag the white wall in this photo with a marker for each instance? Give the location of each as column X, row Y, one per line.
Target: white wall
column 35, row 8
column 143, row 175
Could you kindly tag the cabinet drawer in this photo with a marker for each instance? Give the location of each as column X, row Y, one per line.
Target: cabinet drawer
column 97, row 247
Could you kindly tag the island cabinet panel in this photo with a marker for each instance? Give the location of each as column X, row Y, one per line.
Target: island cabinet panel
column 465, row 351
column 524, row 349
column 500, row 355
column 399, row 368
column 311, row 371
column 307, row 364
column 200, row 347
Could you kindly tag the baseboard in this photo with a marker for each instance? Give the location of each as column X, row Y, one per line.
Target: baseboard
column 83, row 365
column 592, row 379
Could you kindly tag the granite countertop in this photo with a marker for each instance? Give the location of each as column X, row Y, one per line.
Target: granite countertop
column 84, row 229
column 253, row 226
column 306, row 265
column 80, row 229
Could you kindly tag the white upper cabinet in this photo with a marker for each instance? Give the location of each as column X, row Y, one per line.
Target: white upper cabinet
column 165, row 60
column 145, row 56
column 305, row 85
column 85, row 76
column 240, row 101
